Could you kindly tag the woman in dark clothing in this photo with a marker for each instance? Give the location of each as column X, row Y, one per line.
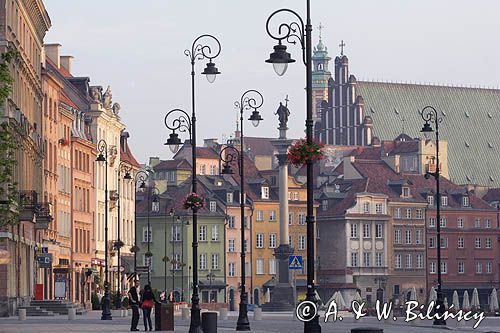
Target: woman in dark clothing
column 148, row 301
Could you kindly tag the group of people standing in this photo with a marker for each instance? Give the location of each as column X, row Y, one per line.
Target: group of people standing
column 145, row 300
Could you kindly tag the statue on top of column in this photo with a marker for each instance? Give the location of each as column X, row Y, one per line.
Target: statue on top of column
column 283, row 114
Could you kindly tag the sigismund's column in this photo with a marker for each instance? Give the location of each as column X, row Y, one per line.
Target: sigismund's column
column 282, row 293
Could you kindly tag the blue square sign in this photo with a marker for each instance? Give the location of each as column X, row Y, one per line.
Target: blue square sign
column 295, row 262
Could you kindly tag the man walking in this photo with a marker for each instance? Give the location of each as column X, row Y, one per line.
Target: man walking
column 133, row 296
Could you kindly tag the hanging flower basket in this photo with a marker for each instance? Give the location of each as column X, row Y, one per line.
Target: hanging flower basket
column 301, row 152
column 118, row 244
column 134, row 249
column 193, row 200
column 149, row 254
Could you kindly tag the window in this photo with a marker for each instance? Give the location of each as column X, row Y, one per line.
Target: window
column 432, row 267
column 367, row 230
column 215, row 233
column 477, row 222
column 461, row 267
column 203, row 169
column 296, row 196
column 442, row 224
column 367, row 259
column 259, row 241
column 354, row 259
column 232, row 269
column 419, row 214
column 245, row 246
column 147, row 236
column 272, row 266
column 397, row 236
column 488, row 267
column 260, row 215
column 406, row 192
column 430, row 200
column 396, row 289
column 478, row 243
column 203, row 261
column 420, row 260
column 408, row 236
column 260, row 266
column 324, row 205
column 290, row 241
column 397, row 261
column 409, row 261
column 479, row 268
column 418, row 236
column 203, row 233
column 432, row 222
column 290, row 218
column 354, row 230
column 302, row 218
column 460, row 222
column 272, row 241
column 229, row 197
column 397, row 213
column 155, row 206
column 212, row 170
column 230, row 221
column 290, row 196
column 302, row 242
column 215, row 261
column 378, row 208
column 272, row 215
column 444, row 242
column 444, row 267
column 231, row 245
column 379, row 259
column 379, row 230
column 147, row 261
column 461, row 242
column 432, row 242
column 366, row 207
column 444, row 200
column 488, row 243
column 213, row 206
column 465, row 201
column 264, row 192
column 487, row 223
column 176, row 233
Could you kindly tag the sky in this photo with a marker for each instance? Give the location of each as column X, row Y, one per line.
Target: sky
column 137, row 47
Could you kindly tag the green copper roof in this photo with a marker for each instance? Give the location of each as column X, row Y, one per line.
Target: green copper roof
column 470, row 123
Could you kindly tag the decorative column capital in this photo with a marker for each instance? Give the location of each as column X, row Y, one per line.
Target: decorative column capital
column 282, row 159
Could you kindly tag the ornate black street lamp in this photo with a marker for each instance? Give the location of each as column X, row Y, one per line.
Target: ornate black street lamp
column 165, row 258
column 430, row 115
column 141, row 177
column 102, row 158
column 183, row 123
column 291, row 33
column 153, row 205
column 250, row 100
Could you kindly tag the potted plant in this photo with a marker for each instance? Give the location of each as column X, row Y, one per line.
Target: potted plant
column 193, row 200
column 301, row 152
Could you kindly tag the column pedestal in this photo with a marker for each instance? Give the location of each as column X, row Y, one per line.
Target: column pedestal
column 282, row 293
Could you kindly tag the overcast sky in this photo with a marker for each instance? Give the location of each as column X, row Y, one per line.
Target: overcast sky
column 137, row 48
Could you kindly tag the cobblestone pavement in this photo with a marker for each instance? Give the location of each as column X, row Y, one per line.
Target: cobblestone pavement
column 271, row 323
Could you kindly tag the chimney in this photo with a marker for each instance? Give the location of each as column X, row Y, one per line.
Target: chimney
column 52, row 52
column 123, row 141
column 66, row 62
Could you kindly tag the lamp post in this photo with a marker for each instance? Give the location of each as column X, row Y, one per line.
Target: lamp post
column 140, row 176
column 183, row 123
column 102, row 158
column 250, row 100
column 430, row 115
column 122, row 168
column 153, row 205
column 165, row 258
column 290, row 33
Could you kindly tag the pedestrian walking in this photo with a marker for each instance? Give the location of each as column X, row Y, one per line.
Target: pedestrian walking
column 148, row 301
column 133, row 297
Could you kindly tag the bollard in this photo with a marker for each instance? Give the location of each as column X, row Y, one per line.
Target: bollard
column 367, row 330
column 123, row 313
column 257, row 313
column 185, row 313
column 209, row 322
column 71, row 313
column 223, row 314
column 22, row 314
column 129, row 312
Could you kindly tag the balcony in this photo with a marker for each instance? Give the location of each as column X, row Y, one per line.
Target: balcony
column 28, row 205
column 44, row 215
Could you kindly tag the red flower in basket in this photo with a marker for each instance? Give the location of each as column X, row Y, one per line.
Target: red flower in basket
column 301, row 152
column 193, row 200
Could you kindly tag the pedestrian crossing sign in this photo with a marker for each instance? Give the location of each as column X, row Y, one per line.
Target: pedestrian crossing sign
column 295, row 262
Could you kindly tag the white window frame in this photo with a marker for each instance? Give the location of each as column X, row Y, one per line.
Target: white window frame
column 302, row 218
column 202, row 233
column 231, row 245
column 215, row 261
column 232, row 269
column 479, row 268
column 432, row 222
column 489, row 267
column 408, row 213
column 366, row 207
column 259, row 267
column 272, row 215
column 145, row 236
column 409, row 261
column 203, row 261
column 213, row 170
column 461, row 243
column 259, row 241
column 488, row 243
column 354, row 230
column 302, row 242
column 215, row 233
column 229, row 197
column 477, row 222
column 397, row 236
column 264, row 192
column 432, row 267
column 378, row 208
column 379, row 259
column 213, row 206
column 419, row 236
column 408, row 238
column 367, row 230
column 272, row 266
column 465, row 201
column 444, row 200
column 260, row 216
column 397, row 261
column 477, row 243
column 419, row 214
column 367, row 259
column 461, row 267
column 487, row 223
column 379, row 230
column 419, row 261
column 430, row 200
column 354, row 259
column 272, row 240
column 444, row 267
column 397, row 213
column 432, row 242
column 442, row 223
column 460, row 222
